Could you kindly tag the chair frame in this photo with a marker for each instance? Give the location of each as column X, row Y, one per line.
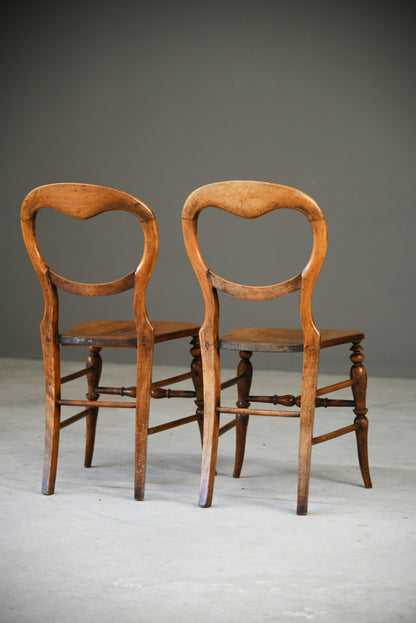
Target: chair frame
column 248, row 200
column 84, row 201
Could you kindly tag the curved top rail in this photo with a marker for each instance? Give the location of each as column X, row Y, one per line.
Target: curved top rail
column 84, row 201
column 250, row 199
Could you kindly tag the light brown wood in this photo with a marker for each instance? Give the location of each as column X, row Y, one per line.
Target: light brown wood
column 84, row 201
column 122, row 333
column 248, row 200
column 255, row 293
column 250, row 411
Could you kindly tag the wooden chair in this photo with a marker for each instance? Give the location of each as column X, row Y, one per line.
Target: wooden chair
column 249, row 200
column 83, row 201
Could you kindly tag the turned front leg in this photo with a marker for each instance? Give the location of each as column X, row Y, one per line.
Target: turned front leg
column 244, row 369
column 197, row 380
column 358, row 376
column 94, row 362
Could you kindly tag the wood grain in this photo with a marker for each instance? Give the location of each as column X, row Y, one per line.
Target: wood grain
column 85, row 201
column 249, row 200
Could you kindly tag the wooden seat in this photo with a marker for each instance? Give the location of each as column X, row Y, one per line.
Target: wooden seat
column 84, row 201
column 122, row 333
column 249, row 200
column 282, row 340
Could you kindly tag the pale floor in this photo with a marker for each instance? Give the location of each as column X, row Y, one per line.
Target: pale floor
column 90, row 553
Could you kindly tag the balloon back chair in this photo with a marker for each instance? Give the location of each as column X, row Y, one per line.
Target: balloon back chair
column 249, row 200
column 85, row 201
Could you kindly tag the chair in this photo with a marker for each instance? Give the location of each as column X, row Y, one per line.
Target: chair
column 84, row 201
column 249, row 200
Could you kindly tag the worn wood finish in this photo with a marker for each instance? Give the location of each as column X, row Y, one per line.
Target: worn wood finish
column 282, row 340
column 248, row 200
column 84, row 201
column 123, row 333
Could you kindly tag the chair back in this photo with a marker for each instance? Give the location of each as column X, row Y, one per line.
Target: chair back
column 84, row 201
column 248, row 200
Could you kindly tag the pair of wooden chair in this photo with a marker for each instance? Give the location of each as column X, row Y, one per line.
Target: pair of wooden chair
column 243, row 199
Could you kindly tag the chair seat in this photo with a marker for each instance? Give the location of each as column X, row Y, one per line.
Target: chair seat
column 282, row 340
column 122, row 333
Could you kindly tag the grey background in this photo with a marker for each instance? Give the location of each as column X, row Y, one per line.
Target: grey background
column 157, row 98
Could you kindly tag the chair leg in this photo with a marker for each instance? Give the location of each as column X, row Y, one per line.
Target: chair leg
column 244, row 368
column 143, row 388
column 307, row 414
column 358, row 375
column 93, row 379
column 212, row 391
column 197, row 380
column 52, row 415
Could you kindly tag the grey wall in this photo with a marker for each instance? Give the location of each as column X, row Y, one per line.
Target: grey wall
column 157, row 98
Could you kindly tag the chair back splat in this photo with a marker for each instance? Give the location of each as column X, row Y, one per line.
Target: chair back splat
column 249, row 200
column 81, row 202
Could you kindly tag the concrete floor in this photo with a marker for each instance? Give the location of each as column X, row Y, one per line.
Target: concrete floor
column 90, row 553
